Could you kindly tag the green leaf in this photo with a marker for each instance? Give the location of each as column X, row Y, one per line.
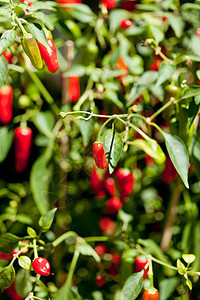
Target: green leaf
column 189, row 258
column 44, row 121
column 181, row 268
column 10, row 238
column 85, row 249
column 151, row 148
column 4, row 70
column 86, row 129
column 115, row 17
column 25, row 219
column 31, row 232
column 176, row 23
column 23, row 283
column 165, row 72
column 141, row 85
column 6, row 140
column 178, row 154
column 109, row 74
column 113, row 96
column 167, row 287
column 112, row 144
column 7, row 39
column 191, row 92
column 132, row 286
column 135, row 64
column 198, row 74
column 24, row 262
column 40, row 179
column 7, row 276
column 189, row 283
column 81, row 12
column 47, row 5
column 188, row 6
column 76, row 70
column 4, row 12
column 156, row 33
column 39, row 34
column 47, row 219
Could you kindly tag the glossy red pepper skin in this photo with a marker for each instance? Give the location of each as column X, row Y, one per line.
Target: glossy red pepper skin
column 95, row 181
column 49, row 56
column 107, row 226
column 169, row 174
column 22, row 141
column 41, row 266
column 69, row 1
column 155, row 65
column 125, row 23
column 110, row 4
column 113, row 205
column 101, row 249
column 11, row 292
column 8, row 56
column 6, row 104
column 125, row 181
column 100, row 280
column 150, row 295
column 116, row 259
column 99, row 155
column 140, row 263
column 74, row 88
column 110, row 186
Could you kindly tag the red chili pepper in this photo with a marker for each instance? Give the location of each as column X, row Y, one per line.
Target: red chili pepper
column 150, row 295
column 29, row 2
column 95, row 181
column 8, row 56
column 155, row 65
column 113, row 205
column 169, row 174
column 140, row 263
column 41, row 266
column 100, row 280
column 125, row 181
column 6, row 256
column 74, row 88
column 110, row 186
column 22, row 141
column 69, row 1
column 49, row 56
column 107, row 225
column 116, row 259
column 197, row 32
column 128, row 5
column 6, row 104
column 99, row 155
column 125, row 23
column 101, row 249
column 11, row 292
column 113, row 270
column 122, row 66
column 110, row 4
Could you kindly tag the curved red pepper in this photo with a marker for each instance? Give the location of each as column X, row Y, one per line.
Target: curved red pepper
column 125, row 181
column 8, row 56
column 6, row 104
column 126, row 23
column 110, row 186
column 113, row 205
column 12, row 293
column 41, row 266
column 22, row 140
column 140, row 263
column 74, row 88
column 49, row 56
column 95, row 181
column 110, row 4
column 99, row 155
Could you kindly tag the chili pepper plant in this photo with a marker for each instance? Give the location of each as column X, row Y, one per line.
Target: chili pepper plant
column 99, row 149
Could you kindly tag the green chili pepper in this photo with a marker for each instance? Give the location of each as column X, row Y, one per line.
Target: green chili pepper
column 31, row 49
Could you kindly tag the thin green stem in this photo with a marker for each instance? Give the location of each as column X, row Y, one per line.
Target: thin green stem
column 35, row 248
column 162, row 109
column 49, row 99
column 96, row 239
column 21, row 26
column 68, row 282
column 63, row 237
column 102, row 127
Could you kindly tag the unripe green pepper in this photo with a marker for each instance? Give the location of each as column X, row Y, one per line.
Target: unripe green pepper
column 31, row 49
